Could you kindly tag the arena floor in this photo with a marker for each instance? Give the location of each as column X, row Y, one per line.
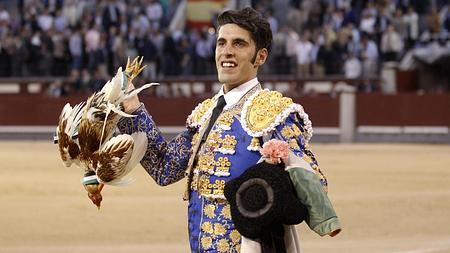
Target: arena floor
column 390, row 198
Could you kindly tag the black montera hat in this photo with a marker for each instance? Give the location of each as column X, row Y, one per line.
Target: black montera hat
column 263, row 196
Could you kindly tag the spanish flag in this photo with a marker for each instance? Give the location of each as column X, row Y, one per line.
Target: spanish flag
column 200, row 13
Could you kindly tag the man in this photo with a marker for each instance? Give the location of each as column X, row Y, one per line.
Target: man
column 213, row 151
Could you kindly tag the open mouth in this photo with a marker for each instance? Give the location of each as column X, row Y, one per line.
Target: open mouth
column 228, row 64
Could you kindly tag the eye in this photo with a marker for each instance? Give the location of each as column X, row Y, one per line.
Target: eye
column 239, row 44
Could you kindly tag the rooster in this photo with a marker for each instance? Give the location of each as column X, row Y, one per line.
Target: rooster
column 85, row 134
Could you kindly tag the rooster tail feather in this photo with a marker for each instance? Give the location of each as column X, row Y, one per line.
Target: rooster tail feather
column 136, row 91
column 139, row 148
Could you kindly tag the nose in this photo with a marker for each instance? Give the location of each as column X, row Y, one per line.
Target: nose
column 228, row 50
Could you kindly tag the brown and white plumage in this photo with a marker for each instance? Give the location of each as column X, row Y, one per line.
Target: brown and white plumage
column 94, row 123
column 119, row 156
column 66, row 130
column 105, row 107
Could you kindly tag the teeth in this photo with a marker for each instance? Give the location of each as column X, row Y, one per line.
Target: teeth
column 228, row 64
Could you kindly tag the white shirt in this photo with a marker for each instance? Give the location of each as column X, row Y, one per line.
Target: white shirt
column 154, row 11
column 304, row 52
column 371, row 50
column 233, row 96
column 352, row 68
column 45, row 22
column 92, row 38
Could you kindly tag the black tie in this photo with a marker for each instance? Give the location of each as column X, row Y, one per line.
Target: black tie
column 215, row 113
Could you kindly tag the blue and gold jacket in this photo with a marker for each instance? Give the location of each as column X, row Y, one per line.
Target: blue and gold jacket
column 230, row 148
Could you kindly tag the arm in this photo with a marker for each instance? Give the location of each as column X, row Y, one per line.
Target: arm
column 292, row 131
column 165, row 161
column 308, row 181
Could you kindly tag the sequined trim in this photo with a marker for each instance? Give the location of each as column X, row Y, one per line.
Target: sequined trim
column 265, row 110
column 201, row 113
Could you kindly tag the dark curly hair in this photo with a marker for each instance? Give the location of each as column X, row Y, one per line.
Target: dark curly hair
column 250, row 20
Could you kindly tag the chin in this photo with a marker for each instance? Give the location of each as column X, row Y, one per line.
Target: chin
column 227, row 78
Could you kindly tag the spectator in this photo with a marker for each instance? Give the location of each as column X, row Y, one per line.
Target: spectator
column 391, row 44
column 433, row 21
column 147, row 49
column 92, row 40
column 272, row 21
column 76, row 49
column 45, row 20
column 170, row 54
column 398, row 21
column 368, row 23
column 5, row 18
column 60, row 21
column 154, row 13
column 412, row 26
column 317, row 66
column 204, row 53
column 72, row 10
column 291, row 52
column 59, row 55
column 110, row 16
column 369, row 55
column 304, row 55
column 352, row 67
column 186, row 52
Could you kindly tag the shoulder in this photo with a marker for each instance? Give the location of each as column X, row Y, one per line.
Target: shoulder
column 200, row 113
column 266, row 110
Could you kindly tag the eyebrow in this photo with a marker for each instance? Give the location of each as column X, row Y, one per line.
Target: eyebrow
column 240, row 40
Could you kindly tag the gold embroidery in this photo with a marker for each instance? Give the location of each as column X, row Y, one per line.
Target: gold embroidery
column 206, row 163
column 296, row 130
column 287, row 132
column 195, row 119
column 254, row 145
column 223, row 245
column 264, row 110
column 223, row 167
column 225, row 121
column 209, row 211
column 235, row 236
column 214, row 140
column 226, row 213
column 219, row 229
column 206, row 242
column 208, row 189
column 192, row 170
column 228, row 144
column 207, row 227
column 293, row 144
column 218, row 187
column 307, row 159
column 194, row 139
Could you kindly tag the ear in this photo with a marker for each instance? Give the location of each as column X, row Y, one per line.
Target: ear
column 261, row 57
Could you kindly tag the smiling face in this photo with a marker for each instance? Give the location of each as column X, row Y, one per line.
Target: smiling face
column 235, row 56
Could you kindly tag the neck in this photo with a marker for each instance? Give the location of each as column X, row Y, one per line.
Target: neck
column 228, row 87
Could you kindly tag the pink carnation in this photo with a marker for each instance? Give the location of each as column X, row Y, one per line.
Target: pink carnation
column 275, row 151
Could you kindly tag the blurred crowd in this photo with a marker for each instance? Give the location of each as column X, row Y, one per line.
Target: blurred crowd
column 88, row 40
column 351, row 38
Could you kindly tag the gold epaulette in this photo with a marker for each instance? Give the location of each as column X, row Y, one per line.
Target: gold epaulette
column 265, row 110
column 201, row 112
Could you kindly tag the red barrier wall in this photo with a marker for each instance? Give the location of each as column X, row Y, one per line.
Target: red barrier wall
column 403, row 110
column 372, row 109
